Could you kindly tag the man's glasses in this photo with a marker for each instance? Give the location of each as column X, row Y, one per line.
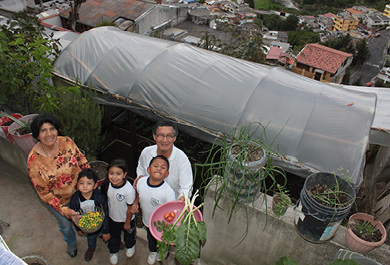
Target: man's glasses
column 168, row 136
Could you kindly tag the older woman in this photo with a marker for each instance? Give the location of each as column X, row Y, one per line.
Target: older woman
column 53, row 165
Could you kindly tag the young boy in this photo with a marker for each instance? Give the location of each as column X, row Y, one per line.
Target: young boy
column 154, row 191
column 85, row 198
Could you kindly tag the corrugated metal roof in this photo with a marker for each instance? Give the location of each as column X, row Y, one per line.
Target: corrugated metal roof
column 94, row 12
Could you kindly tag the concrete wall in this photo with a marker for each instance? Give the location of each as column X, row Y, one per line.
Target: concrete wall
column 160, row 15
column 269, row 238
column 12, row 156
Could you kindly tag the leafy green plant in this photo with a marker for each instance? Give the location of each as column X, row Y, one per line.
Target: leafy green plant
column 81, row 115
column 238, row 178
column 185, row 236
column 27, row 57
column 281, row 201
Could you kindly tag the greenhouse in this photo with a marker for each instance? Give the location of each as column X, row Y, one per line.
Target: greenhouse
column 314, row 126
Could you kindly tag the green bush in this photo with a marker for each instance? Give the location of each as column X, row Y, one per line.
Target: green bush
column 27, row 57
column 81, row 115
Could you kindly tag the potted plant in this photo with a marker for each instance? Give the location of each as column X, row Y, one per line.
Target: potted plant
column 280, row 201
column 21, row 132
column 239, row 168
column 325, row 200
column 6, row 121
column 364, row 233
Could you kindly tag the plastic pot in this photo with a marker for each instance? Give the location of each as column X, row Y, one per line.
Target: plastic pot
column 243, row 180
column 25, row 142
column 357, row 244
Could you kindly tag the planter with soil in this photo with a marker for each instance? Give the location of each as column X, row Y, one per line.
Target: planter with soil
column 21, row 133
column 364, row 233
column 244, row 171
column 324, row 202
column 280, row 203
column 5, row 122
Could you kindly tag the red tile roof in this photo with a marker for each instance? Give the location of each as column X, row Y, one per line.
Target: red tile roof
column 273, row 53
column 322, row 57
column 94, row 12
column 354, row 11
column 329, row 15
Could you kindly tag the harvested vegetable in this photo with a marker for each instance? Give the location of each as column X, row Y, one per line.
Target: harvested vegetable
column 186, row 236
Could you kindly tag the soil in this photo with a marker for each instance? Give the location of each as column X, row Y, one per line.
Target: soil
column 328, row 196
column 255, row 153
column 22, row 131
column 371, row 234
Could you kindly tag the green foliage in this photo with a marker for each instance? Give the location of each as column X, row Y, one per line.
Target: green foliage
column 299, row 38
column 230, row 176
column 245, row 44
column 286, row 261
column 208, row 41
column 81, row 115
column 105, row 23
column 342, row 44
column 186, row 236
column 284, row 201
column 263, row 4
column 365, row 228
column 333, row 197
column 362, row 53
column 27, row 57
column 275, row 22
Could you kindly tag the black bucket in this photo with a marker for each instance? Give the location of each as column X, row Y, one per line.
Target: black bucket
column 315, row 222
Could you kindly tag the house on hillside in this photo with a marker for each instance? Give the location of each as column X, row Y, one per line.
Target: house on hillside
column 386, row 12
column 131, row 15
column 276, row 56
column 355, row 13
column 376, row 21
column 344, row 22
column 322, row 63
column 325, row 21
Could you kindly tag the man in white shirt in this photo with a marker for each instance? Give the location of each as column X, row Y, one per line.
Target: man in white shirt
column 180, row 176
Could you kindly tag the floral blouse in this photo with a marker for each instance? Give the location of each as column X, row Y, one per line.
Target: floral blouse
column 55, row 178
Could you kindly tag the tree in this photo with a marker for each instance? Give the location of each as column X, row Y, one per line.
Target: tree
column 299, row 38
column 74, row 13
column 208, row 41
column 362, row 53
column 290, row 23
column 27, row 57
column 245, row 44
column 272, row 22
column 344, row 44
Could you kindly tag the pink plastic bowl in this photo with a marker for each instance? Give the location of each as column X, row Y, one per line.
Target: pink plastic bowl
column 158, row 215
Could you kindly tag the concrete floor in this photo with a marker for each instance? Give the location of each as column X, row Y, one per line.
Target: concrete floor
column 34, row 230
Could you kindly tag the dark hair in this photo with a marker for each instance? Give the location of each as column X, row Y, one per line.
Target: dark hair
column 163, row 123
column 121, row 163
column 41, row 119
column 161, row 157
column 89, row 174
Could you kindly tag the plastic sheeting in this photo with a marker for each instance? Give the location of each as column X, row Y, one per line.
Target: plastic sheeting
column 322, row 127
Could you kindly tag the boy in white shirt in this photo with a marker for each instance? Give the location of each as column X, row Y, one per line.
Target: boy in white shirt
column 153, row 191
